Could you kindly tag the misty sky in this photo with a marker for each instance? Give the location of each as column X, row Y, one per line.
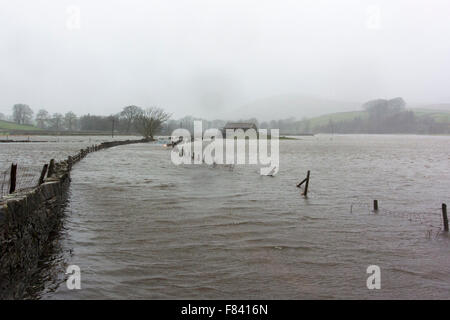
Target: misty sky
column 204, row 57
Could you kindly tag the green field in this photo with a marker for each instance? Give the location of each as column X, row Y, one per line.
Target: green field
column 337, row 117
column 11, row 126
column 437, row 115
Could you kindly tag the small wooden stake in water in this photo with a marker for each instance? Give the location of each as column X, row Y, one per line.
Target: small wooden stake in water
column 375, row 205
column 13, row 177
column 444, row 217
column 305, row 193
column 112, row 129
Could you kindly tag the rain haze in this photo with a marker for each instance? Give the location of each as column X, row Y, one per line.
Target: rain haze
column 235, row 149
column 213, row 58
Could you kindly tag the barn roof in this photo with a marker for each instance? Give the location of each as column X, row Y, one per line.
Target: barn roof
column 239, row 125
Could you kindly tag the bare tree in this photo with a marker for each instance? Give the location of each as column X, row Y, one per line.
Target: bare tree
column 22, row 113
column 150, row 121
column 129, row 114
column 42, row 118
column 70, row 120
column 57, row 120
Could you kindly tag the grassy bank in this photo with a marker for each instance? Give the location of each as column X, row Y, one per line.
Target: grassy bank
column 440, row 116
column 8, row 126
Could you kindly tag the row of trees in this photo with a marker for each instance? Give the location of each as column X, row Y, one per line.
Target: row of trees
column 132, row 119
column 387, row 116
column 381, row 116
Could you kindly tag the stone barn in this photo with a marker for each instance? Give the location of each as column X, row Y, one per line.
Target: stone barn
column 240, row 125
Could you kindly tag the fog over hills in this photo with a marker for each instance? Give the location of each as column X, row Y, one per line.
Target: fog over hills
column 222, row 59
column 291, row 105
column 433, row 107
column 300, row 106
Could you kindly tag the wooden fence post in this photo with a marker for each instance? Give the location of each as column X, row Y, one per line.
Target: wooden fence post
column 13, row 178
column 43, row 172
column 70, row 162
column 444, row 217
column 305, row 193
column 51, row 168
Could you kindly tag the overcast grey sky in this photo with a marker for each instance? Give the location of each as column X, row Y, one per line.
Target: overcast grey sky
column 203, row 56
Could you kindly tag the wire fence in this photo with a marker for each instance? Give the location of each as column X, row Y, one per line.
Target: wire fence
column 26, row 178
column 4, row 182
column 432, row 219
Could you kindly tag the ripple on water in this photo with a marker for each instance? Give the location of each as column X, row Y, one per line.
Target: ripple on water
column 140, row 227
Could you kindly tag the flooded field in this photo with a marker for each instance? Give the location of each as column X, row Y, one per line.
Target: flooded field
column 31, row 156
column 44, row 148
column 140, row 227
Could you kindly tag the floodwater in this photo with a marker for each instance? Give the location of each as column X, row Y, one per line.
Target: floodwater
column 43, row 148
column 140, row 227
column 30, row 157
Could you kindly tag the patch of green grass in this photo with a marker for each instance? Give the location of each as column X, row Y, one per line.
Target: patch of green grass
column 437, row 115
column 6, row 125
column 337, row 117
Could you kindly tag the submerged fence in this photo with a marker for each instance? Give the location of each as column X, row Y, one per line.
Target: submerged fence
column 16, row 178
column 435, row 219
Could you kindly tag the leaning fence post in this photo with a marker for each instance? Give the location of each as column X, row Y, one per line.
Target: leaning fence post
column 69, row 163
column 43, row 172
column 375, row 205
column 13, row 177
column 305, row 193
column 51, row 168
column 444, row 217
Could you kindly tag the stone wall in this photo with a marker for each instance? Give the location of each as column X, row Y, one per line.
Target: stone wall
column 30, row 218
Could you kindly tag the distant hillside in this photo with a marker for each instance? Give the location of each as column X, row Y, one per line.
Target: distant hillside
column 337, row 117
column 11, row 126
column 436, row 106
column 287, row 106
column 437, row 115
column 441, row 116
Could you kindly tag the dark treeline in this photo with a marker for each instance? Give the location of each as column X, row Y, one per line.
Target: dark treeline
column 379, row 116
column 387, row 116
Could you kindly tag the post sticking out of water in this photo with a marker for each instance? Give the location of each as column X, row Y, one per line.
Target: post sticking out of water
column 375, row 205
column 13, row 177
column 444, row 217
column 112, row 129
column 305, row 192
column 43, row 172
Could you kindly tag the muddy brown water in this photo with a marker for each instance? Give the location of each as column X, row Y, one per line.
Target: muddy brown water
column 140, row 227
